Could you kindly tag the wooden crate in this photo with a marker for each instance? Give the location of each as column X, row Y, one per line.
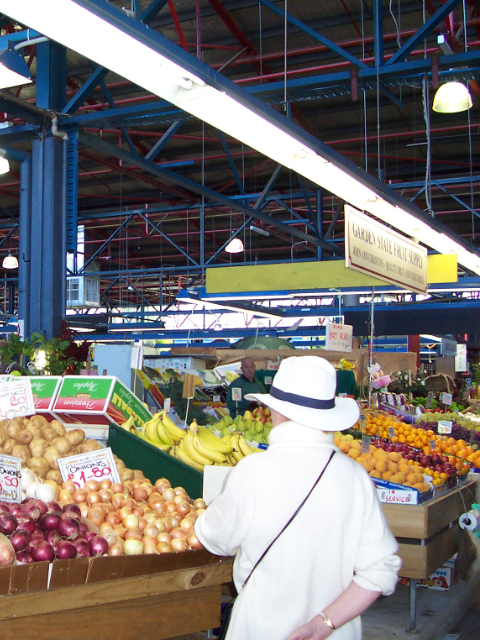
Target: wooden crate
column 427, row 534
column 150, row 606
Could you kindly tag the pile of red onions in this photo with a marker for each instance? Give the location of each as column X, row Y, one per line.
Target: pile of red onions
column 42, row 532
column 137, row 517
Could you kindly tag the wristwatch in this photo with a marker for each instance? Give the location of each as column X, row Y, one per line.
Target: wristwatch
column 327, row 621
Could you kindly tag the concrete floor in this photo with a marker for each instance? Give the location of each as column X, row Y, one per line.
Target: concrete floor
column 441, row 615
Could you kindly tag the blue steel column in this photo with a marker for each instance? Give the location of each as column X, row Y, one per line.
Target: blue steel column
column 320, row 222
column 24, row 246
column 48, row 231
column 48, row 223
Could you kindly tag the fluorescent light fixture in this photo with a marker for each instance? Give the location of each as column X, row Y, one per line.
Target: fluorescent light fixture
column 14, row 70
column 234, row 246
column 452, row 97
column 4, row 165
column 263, row 232
column 10, row 262
column 117, row 48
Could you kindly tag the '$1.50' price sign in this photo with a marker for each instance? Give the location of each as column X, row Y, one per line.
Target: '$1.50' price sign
column 95, row 465
column 10, row 474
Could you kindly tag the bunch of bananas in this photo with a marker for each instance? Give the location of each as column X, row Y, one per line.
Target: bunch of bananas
column 200, row 447
column 160, row 431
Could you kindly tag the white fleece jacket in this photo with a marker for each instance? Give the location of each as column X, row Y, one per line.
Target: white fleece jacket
column 339, row 535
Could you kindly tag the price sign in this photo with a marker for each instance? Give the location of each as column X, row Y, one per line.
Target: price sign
column 216, row 398
column 363, row 422
column 429, row 399
column 95, row 465
column 433, row 445
column 167, row 404
column 268, row 380
column 446, row 398
column 16, row 398
column 236, row 394
column 10, row 474
column 445, row 427
column 391, row 432
column 366, row 440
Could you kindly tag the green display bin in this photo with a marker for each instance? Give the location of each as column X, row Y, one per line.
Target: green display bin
column 138, row 454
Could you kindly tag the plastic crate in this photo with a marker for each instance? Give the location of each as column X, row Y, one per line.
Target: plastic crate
column 138, row 454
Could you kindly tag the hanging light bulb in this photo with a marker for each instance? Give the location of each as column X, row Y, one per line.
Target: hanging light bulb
column 4, row 165
column 452, row 97
column 10, row 262
column 234, row 246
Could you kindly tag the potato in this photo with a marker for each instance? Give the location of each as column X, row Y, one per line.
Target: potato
column 63, row 445
column 8, row 446
column 125, row 474
column 54, row 475
column 39, row 466
column 58, row 427
column 89, row 445
column 4, row 423
column 13, row 429
column 75, row 436
column 34, row 430
column 138, row 473
column 120, row 464
column 23, row 437
column 48, row 433
column 39, row 421
column 38, row 446
column 3, row 437
column 52, row 455
column 21, row 451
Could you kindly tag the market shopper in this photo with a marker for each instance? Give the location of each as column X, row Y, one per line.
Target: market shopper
column 244, row 384
column 337, row 555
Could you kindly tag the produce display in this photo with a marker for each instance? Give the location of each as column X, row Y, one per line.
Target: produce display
column 463, row 428
column 254, row 425
column 196, row 446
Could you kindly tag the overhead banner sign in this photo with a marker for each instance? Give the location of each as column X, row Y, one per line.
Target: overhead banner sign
column 376, row 250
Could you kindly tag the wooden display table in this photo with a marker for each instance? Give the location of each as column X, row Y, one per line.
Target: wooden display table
column 119, row 598
column 427, row 534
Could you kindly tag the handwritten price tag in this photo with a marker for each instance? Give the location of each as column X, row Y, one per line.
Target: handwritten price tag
column 16, row 398
column 445, row 426
column 167, row 403
column 10, row 474
column 236, row 394
column 446, row 398
column 366, row 440
column 391, row 432
column 95, row 465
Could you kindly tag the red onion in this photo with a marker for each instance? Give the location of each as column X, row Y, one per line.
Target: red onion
column 52, row 537
column 26, row 522
column 82, row 547
column 89, row 536
column 24, row 557
column 15, row 509
column 83, row 528
column 20, row 539
column 8, row 523
column 32, row 510
column 4, row 507
column 42, row 506
column 7, row 552
column 99, row 546
column 49, row 521
column 54, row 506
column 65, row 550
column 72, row 511
column 69, row 528
column 43, row 552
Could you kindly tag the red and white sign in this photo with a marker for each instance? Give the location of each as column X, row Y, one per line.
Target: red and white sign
column 10, row 474
column 338, row 337
column 95, row 465
column 16, row 398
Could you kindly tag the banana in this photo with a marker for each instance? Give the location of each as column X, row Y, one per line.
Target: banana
column 171, row 428
column 162, row 447
column 208, row 452
column 193, row 452
column 128, row 423
column 208, row 439
column 183, row 456
column 150, row 431
column 231, row 460
column 162, row 434
column 245, row 448
column 236, row 453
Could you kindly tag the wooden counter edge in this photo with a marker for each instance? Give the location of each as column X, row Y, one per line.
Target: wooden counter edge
column 88, row 595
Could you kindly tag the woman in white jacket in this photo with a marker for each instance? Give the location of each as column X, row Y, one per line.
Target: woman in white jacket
column 337, row 555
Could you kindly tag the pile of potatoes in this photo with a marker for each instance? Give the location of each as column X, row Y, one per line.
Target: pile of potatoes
column 39, row 444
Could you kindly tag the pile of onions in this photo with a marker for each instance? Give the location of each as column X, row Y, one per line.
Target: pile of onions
column 137, row 517
column 38, row 531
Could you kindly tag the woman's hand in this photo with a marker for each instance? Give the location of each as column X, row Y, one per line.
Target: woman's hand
column 316, row 629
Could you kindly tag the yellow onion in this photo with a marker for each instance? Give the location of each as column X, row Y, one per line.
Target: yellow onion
column 151, row 530
column 164, row 537
column 106, row 484
column 164, row 547
column 133, row 547
column 133, row 533
column 117, row 487
column 93, row 498
column 140, row 494
column 178, row 532
column 193, row 542
column 179, row 544
column 199, row 503
column 130, row 521
column 80, row 495
column 113, row 518
column 115, row 550
column 168, row 495
column 150, row 540
column 150, row 549
column 92, row 486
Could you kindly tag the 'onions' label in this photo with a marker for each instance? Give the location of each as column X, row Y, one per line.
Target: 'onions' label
column 10, row 475
column 95, row 465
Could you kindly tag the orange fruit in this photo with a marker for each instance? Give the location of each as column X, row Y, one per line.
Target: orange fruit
column 381, row 466
column 386, row 475
column 393, row 467
column 353, row 453
column 344, row 446
column 394, row 456
column 375, row 474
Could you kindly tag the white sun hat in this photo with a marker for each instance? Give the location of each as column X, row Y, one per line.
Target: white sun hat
column 303, row 390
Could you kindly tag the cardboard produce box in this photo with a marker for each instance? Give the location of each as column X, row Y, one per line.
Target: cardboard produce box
column 44, row 391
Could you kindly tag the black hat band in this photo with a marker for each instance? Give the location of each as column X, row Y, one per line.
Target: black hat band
column 302, row 401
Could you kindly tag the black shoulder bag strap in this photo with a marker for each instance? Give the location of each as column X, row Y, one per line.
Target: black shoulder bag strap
column 291, row 519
